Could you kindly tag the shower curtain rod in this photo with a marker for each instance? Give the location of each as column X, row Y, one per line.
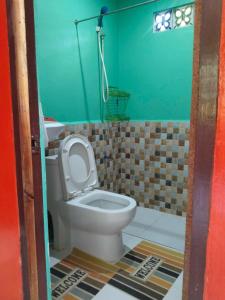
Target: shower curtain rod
column 116, row 11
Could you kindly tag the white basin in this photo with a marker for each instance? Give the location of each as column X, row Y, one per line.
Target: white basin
column 53, row 129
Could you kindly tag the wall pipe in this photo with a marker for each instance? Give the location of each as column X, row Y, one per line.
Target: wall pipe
column 116, row 11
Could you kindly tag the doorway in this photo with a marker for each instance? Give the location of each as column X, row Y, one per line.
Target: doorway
column 202, row 118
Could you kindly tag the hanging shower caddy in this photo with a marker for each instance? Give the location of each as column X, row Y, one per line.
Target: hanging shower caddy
column 116, row 105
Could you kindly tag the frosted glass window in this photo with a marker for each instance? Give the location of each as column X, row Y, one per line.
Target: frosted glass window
column 163, row 21
column 183, row 16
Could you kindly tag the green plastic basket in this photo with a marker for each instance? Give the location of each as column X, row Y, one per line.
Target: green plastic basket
column 117, row 105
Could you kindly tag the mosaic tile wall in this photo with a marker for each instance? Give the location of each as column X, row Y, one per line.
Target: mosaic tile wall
column 145, row 160
column 154, row 164
column 103, row 137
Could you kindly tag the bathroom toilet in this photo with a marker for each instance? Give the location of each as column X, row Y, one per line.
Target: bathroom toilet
column 83, row 216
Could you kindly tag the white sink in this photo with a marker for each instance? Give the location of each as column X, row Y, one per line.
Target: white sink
column 53, row 129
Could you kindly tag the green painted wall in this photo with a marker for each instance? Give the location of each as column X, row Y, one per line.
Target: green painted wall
column 68, row 81
column 156, row 68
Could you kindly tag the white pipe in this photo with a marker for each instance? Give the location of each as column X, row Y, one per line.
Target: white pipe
column 105, row 96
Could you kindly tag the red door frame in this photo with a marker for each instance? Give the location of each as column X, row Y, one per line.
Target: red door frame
column 215, row 261
column 202, row 143
column 21, row 40
column 10, row 235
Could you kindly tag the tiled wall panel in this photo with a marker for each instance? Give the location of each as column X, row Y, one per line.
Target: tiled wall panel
column 145, row 160
column 154, row 164
column 103, row 137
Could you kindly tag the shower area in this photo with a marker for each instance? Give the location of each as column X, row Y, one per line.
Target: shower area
column 127, row 87
column 120, row 73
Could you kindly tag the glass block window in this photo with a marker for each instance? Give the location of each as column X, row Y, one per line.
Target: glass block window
column 174, row 18
column 183, row 16
column 163, row 21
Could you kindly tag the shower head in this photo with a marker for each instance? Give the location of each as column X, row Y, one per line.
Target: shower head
column 103, row 11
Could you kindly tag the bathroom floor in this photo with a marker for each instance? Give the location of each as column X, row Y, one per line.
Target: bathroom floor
column 165, row 229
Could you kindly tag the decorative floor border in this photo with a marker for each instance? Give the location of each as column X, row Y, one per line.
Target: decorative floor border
column 146, row 272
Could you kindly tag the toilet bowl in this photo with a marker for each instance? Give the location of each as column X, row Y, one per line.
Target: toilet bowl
column 83, row 216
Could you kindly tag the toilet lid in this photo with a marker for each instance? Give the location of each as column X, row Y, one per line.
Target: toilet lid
column 77, row 164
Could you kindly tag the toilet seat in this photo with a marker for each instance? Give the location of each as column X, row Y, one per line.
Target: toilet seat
column 77, row 164
column 103, row 201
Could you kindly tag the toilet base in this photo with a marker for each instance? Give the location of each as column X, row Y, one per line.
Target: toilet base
column 106, row 247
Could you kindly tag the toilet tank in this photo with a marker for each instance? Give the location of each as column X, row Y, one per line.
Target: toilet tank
column 54, row 185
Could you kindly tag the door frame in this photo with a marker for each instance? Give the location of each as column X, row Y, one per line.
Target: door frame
column 202, row 142
column 21, row 39
column 12, row 259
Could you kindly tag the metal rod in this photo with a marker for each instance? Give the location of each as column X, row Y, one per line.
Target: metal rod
column 116, row 11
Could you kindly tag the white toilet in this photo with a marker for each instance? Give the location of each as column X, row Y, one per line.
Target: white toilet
column 83, row 216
